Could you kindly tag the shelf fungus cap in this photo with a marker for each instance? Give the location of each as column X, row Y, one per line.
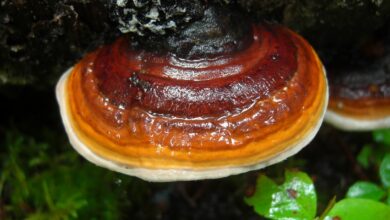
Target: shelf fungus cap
column 169, row 117
column 360, row 98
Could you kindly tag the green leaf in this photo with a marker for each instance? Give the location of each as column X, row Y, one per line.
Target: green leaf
column 294, row 199
column 382, row 136
column 364, row 156
column 261, row 200
column 359, row 209
column 365, row 190
column 384, row 171
column 388, row 197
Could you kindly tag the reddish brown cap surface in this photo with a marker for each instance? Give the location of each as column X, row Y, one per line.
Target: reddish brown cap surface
column 164, row 118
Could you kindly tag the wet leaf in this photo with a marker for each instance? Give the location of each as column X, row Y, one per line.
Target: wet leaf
column 384, row 171
column 365, row 190
column 294, row 199
column 359, row 209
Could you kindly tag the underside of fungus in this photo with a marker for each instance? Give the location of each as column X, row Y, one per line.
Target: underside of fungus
column 221, row 106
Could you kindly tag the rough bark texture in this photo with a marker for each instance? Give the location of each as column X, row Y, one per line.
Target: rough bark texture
column 40, row 39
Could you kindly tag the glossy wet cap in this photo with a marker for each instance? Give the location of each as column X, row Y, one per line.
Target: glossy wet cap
column 250, row 100
column 168, row 119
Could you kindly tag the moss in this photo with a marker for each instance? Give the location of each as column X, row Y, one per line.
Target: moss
column 36, row 185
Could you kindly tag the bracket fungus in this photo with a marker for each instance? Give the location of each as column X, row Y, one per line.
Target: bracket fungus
column 360, row 98
column 225, row 96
